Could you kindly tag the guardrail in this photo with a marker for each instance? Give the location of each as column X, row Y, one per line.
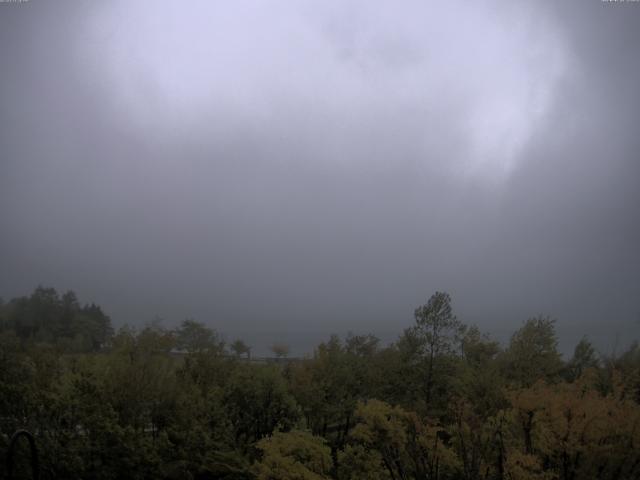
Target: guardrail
column 35, row 468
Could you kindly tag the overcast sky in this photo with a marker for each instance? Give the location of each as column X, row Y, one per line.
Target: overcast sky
column 288, row 169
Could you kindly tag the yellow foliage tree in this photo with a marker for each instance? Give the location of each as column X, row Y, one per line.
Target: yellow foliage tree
column 398, row 442
column 294, row 455
column 574, row 432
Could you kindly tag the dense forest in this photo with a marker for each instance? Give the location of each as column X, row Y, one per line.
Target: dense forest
column 444, row 401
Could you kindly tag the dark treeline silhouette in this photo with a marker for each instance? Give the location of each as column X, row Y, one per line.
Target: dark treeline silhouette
column 444, row 401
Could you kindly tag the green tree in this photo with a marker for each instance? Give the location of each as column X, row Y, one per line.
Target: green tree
column 533, row 353
column 45, row 317
column 240, row 348
column 479, row 381
column 584, row 357
column 257, row 402
column 438, row 333
column 195, row 337
column 328, row 387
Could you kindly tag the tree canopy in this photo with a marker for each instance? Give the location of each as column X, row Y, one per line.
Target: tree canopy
column 445, row 401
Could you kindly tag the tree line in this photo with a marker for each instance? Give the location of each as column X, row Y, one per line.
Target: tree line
column 444, row 401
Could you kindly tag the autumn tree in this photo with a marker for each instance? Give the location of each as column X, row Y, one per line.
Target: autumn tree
column 390, row 442
column 570, row 431
column 280, row 350
column 294, row 455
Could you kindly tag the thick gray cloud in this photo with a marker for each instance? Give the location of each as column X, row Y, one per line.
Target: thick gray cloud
column 290, row 169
